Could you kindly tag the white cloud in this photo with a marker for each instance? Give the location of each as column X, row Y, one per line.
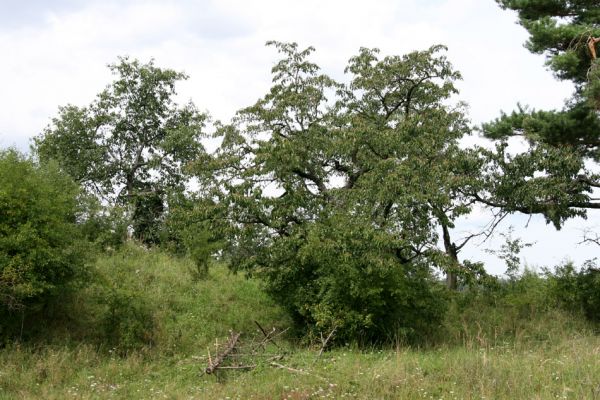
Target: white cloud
column 221, row 45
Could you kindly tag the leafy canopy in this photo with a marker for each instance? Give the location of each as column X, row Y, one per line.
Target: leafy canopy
column 130, row 144
column 333, row 192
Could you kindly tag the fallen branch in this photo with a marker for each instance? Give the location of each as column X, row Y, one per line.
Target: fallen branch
column 240, row 355
column 268, row 337
column 238, row 367
column 214, row 364
column 297, row 371
column 324, row 342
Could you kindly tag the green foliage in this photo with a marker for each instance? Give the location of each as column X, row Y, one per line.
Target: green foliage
column 560, row 28
column 148, row 217
column 527, row 295
column 307, row 176
column 509, row 252
column 576, row 126
column 104, row 226
column 521, row 312
column 201, row 246
column 518, row 309
column 344, row 276
column 577, row 291
column 41, row 251
column 190, row 229
column 565, row 367
column 489, row 348
column 125, row 316
column 127, row 322
column 589, row 285
column 552, row 177
column 589, row 292
column 142, row 302
column 130, row 145
column 564, row 287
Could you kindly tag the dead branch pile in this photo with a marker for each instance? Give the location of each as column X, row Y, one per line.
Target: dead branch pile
column 241, row 354
column 237, row 354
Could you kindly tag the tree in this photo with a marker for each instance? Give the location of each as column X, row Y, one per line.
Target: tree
column 552, row 177
column 334, row 192
column 414, row 136
column 129, row 146
column 192, row 228
column 41, row 251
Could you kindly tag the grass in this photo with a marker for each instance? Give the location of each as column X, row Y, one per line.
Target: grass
column 487, row 354
column 566, row 370
column 189, row 313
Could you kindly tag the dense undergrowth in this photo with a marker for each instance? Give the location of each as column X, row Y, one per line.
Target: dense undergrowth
column 143, row 327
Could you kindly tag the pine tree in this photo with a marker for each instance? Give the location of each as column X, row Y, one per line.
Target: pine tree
column 553, row 177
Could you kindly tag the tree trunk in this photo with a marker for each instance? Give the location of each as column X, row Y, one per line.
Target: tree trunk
column 450, row 248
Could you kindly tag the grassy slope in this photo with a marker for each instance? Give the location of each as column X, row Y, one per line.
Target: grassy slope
column 190, row 315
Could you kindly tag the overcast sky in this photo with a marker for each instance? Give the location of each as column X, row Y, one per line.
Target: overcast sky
column 55, row 53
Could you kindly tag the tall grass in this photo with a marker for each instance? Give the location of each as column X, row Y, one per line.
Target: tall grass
column 509, row 344
column 567, row 369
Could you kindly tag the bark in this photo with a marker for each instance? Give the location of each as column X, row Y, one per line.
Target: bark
column 452, row 252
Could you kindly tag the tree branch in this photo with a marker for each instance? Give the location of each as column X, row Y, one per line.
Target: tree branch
column 311, row 177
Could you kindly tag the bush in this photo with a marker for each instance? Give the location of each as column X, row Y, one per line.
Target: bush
column 563, row 287
column 41, row 250
column 526, row 294
column 127, row 322
column 345, row 276
column 577, row 291
column 589, row 289
column 521, row 310
column 126, row 314
column 188, row 231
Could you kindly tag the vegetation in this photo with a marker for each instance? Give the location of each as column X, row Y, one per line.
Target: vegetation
column 578, row 290
column 552, row 177
column 326, row 214
column 334, row 193
column 504, row 343
column 41, row 251
column 130, row 145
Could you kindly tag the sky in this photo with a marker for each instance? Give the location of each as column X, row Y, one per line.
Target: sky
column 55, row 53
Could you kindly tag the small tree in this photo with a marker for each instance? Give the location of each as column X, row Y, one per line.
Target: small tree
column 509, row 253
column 130, row 144
column 192, row 229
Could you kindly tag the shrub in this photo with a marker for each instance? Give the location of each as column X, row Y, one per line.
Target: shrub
column 188, row 231
column 518, row 310
column 577, row 290
column 127, row 322
column 563, row 287
column 346, row 277
column 125, row 311
column 526, row 294
column 589, row 288
column 41, row 251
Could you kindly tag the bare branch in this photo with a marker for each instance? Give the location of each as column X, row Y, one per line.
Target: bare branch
column 588, row 238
